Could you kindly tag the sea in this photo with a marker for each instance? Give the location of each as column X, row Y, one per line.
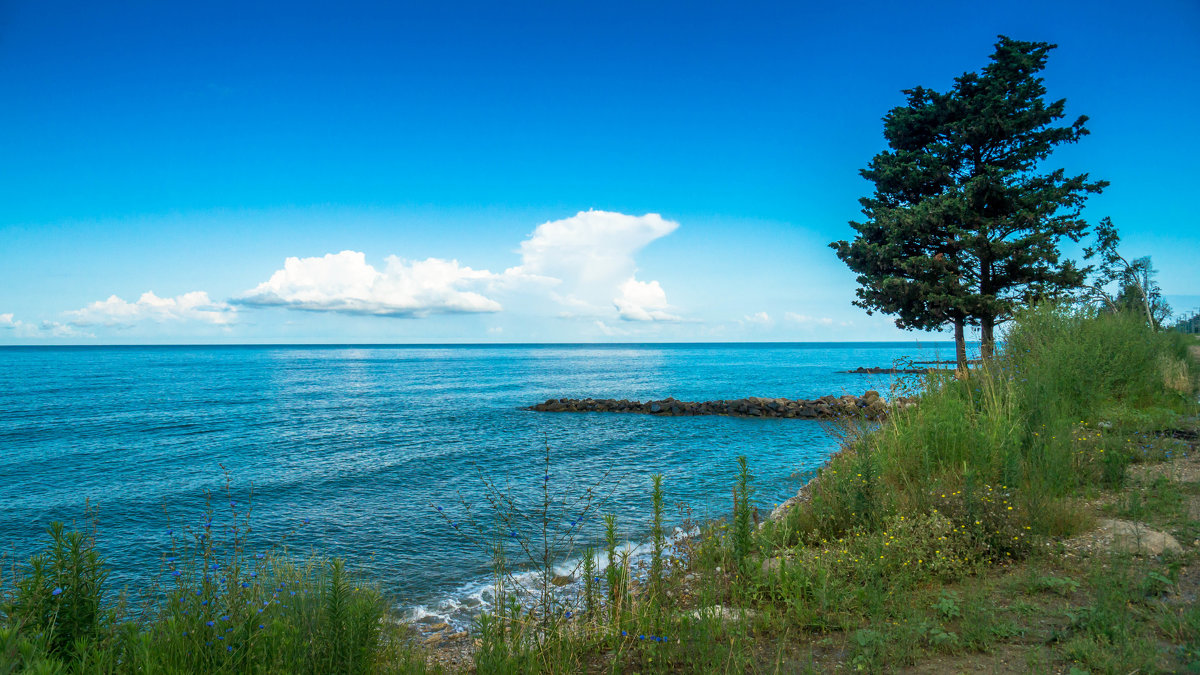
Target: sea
column 407, row 461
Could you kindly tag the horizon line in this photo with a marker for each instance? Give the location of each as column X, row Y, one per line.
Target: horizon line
column 466, row 344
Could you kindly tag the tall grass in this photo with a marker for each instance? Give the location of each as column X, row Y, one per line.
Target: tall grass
column 1008, row 443
column 220, row 608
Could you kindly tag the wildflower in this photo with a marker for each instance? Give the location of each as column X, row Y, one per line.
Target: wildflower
column 56, row 591
column 261, row 626
column 210, row 624
column 174, row 573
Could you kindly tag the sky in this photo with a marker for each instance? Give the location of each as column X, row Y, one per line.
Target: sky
column 245, row 172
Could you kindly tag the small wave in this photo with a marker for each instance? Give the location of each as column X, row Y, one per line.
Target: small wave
column 461, row 607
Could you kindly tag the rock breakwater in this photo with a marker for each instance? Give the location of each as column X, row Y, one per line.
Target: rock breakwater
column 870, row 405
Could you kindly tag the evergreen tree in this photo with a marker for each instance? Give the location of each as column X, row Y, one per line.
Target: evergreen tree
column 963, row 227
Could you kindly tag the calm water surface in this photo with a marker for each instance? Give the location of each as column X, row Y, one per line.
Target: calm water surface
column 365, row 442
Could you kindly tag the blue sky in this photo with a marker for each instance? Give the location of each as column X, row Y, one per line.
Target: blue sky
column 475, row 172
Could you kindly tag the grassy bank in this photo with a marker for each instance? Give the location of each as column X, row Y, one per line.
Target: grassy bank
column 957, row 536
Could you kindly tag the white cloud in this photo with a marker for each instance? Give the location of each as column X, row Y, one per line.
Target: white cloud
column 194, row 306
column 589, row 261
column 804, row 319
column 761, row 318
column 344, row 282
column 608, row 330
column 45, row 329
column 642, row 301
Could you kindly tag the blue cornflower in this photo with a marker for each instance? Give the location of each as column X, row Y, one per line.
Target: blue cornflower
column 185, row 633
column 174, row 573
column 292, row 592
column 623, row 634
column 56, row 591
column 641, row 637
column 220, row 637
column 210, row 623
column 439, row 508
column 225, row 618
column 261, row 626
column 572, row 523
column 513, row 535
column 203, row 603
column 306, row 521
column 229, row 648
column 547, row 476
column 259, row 556
column 245, row 585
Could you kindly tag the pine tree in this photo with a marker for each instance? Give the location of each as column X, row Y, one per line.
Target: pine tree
column 963, row 228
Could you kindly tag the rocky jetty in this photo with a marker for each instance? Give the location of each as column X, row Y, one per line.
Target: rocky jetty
column 861, row 370
column 870, row 405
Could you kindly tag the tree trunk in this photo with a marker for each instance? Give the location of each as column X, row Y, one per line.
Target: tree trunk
column 987, row 343
column 960, row 349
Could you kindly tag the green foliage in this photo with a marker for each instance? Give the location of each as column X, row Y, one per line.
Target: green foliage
column 741, row 514
column 658, row 537
column 220, row 611
column 61, row 598
column 962, row 227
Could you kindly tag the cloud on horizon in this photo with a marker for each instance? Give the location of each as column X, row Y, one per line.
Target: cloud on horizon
column 584, row 264
column 193, row 306
column 804, row 319
column 345, row 283
column 46, row 329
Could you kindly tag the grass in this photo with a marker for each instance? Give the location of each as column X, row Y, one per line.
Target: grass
column 936, row 538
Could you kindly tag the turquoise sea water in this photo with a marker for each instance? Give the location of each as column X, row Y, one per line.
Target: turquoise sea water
column 366, row 442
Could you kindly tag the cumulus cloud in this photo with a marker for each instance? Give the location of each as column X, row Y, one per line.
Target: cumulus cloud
column 804, row 319
column 589, row 260
column 642, row 301
column 344, row 282
column 194, row 306
column 761, row 318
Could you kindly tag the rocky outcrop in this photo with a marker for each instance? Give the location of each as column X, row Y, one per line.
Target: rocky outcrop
column 887, row 371
column 870, row 406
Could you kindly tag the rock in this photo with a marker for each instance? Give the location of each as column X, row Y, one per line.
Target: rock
column 458, row 636
column 1137, row 539
column 722, row 613
column 773, row 565
column 561, row 580
column 869, row 404
column 438, row 627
